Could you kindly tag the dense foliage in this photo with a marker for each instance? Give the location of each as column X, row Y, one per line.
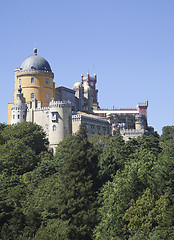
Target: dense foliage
column 100, row 189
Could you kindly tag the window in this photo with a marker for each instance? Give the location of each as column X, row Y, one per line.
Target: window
column 47, row 114
column 54, row 128
column 47, row 81
column 32, row 95
column 46, row 127
column 87, row 128
column 19, row 81
column 93, row 129
column 23, row 116
column 54, row 116
column 18, row 116
column 32, row 79
column 47, row 96
column 91, row 84
column 13, row 116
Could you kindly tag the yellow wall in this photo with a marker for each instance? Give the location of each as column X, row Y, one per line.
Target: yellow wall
column 9, row 113
column 39, row 87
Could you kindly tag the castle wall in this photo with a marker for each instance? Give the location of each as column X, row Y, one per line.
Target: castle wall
column 41, row 117
column 93, row 125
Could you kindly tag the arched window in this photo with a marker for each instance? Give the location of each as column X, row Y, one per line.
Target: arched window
column 47, row 96
column 47, row 114
column 46, row 127
column 32, row 96
column 47, row 81
column 32, row 79
column 54, row 128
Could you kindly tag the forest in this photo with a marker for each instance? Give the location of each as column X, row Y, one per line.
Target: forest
column 97, row 189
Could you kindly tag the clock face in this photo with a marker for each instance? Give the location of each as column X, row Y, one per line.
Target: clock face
column 85, row 84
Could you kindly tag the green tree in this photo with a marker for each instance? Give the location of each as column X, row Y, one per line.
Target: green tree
column 164, row 169
column 12, row 219
column 16, row 157
column 2, row 126
column 55, row 229
column 146, row 215
column 31, row 134
column 127, row 184
column 113, row 157
column 78, row 185
column 22, row 145
column 167, row 133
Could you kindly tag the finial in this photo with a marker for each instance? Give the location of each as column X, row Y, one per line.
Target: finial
column 35, row 51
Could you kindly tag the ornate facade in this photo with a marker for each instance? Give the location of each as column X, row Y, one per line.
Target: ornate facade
column 60, row 110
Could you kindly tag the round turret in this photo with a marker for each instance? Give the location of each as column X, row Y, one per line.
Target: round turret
column 87, row 87
column 77, row 85
column 36, row 79
column 35, row 62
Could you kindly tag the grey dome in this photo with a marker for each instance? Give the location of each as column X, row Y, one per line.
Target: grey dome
column 35, row 62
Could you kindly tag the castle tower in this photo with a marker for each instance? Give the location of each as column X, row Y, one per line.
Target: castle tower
column 142, row 108
column 91, row 82
column 88, row 95
column 18, row 109
column 36, row 80
column 140, row 122
column 60, row 125
column 79, row 93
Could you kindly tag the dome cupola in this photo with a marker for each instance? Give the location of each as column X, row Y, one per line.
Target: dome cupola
column 35, row 62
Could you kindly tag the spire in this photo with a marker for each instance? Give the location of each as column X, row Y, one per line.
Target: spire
column 35, row 51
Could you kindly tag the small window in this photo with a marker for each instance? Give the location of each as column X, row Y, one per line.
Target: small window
column 47, row 114
column 32, row 79
column 47, row 81
column 23, row 116
column 19, row 81
column 87, row 128
column 47, row 96
column 18, row 116
column 13, row 116
column 46, row 127
column 32, row 95
column 54, row 116
column 54, row 128
column 93, row 129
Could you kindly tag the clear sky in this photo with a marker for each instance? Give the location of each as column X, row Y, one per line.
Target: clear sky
column 129, row 44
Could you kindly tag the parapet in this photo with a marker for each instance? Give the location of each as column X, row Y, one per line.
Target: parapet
column 60, row 104
column 145, row 104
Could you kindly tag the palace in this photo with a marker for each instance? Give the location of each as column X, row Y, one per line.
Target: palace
column 61, row 111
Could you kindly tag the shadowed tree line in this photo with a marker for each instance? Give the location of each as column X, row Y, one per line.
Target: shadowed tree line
column 101, row 189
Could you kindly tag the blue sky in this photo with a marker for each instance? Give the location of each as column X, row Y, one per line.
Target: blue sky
column 129, row 44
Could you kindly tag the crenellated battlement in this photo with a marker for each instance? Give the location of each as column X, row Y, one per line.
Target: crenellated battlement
column 60, row 104
column 21, row 73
